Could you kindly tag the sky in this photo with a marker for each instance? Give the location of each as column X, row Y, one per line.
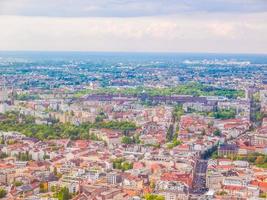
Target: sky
column 216, row 26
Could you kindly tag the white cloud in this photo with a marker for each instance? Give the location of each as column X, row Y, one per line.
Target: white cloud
column 134, row 25
column 195, row 33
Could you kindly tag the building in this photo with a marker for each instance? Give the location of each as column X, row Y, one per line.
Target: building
column 227, row 150
column 113, row 178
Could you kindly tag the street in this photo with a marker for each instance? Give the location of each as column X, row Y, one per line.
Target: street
column 199, row 181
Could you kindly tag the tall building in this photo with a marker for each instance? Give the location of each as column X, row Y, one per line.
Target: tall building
column 3, row 94
column 3, row 99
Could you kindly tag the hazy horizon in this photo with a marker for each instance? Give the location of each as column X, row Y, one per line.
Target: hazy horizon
column 130, row 52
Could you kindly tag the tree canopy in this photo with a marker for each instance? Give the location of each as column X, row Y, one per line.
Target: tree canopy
column 2, row 193
column 195, row 89
column 26, row 125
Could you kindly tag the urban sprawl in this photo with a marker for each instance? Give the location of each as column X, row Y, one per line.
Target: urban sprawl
column 132, row 129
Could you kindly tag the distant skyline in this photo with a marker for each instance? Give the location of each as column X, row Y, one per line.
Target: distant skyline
column 215, row 26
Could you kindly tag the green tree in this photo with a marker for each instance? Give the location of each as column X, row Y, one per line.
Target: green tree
column 2, row 140
column 64, row 194
column 154, row 197
column 13, row 121
column 3, row 155
column 55, row 171
column 24, row 156
column 256, row 97
column 127, row 140
column 174, row 143
column 152, row 185
column 259, row 116
column 217, row 132
column 2, row 193
column 126, row 166
column 259, row 160
column 224, row 114
column 169, row 135
column 177, row 112
column 100, row 117
column 18, row 183
column 121, row 164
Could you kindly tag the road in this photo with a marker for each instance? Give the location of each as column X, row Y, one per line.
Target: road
column 199, row 181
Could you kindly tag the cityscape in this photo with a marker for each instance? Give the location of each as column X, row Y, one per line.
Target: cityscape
column 127, row 109
column 133, row 128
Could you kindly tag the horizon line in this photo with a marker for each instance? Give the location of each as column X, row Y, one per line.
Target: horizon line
column 128, row 52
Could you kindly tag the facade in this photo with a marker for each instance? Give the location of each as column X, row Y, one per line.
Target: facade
column 113, row 178
column 227, row 150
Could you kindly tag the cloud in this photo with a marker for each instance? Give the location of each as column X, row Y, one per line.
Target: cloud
column 134, row 25
column 198, row 33
column 126, row 8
